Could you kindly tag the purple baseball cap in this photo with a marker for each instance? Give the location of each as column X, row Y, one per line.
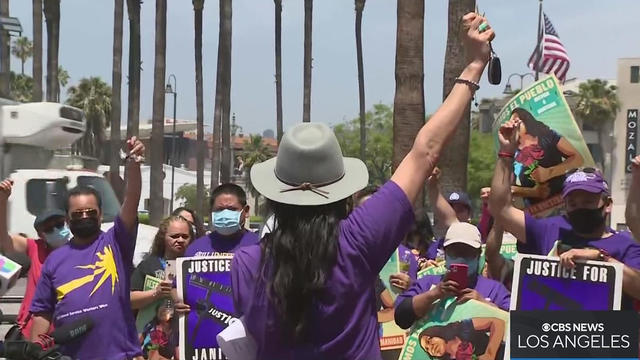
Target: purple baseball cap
column 590, row 181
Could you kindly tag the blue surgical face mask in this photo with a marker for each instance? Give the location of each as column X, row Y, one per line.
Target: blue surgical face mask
column 471, row 263
column 226, row 222
column 58, row 236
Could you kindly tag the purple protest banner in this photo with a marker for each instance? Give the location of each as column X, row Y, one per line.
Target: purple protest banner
column 541, row 283
column 204, row 283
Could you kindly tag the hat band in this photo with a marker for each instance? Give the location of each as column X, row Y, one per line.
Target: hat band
column 307, row 186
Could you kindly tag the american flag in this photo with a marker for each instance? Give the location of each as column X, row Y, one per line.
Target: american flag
column 554, row 56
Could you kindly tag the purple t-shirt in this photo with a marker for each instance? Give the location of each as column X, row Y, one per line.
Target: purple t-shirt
column 93, row 280
column 344, row 323
column 543, row 233
column 214, row 244
column 489, row 289
column 436, row 249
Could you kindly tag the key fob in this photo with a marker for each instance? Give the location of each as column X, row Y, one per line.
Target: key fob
column 495, row 70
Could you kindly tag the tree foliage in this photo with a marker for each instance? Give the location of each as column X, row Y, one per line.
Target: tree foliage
column 188, row 195
column 255, row 151
column 597, row 103
column 482, row 161
column 21, row 87
column 22, row 49
column 93, row 96
column 379, row 149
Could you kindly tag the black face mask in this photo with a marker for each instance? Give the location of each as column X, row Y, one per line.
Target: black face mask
column 85, row 227
column 586, row 221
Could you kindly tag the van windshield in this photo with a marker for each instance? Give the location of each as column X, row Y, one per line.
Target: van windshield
column 52, row 193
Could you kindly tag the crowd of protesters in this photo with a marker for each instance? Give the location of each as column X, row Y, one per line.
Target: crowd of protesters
column 308, row 286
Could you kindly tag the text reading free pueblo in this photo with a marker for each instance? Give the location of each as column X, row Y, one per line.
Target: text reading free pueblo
column 210, row 265
column 552, row 268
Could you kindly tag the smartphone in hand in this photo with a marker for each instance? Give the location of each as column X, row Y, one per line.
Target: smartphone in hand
column 458, row 273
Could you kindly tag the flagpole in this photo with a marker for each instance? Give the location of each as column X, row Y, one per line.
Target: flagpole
column 539, row 57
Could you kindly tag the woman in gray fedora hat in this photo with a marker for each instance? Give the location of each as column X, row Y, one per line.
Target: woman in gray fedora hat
column 307, row 291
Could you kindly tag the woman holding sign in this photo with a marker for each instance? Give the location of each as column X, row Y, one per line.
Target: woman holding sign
column 307, row 291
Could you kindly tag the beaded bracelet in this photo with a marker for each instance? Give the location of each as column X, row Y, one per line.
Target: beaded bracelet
column 473, row 85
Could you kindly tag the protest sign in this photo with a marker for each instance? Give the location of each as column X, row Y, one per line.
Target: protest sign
column 391, row 335
column 147, row 313
column 204, row 284
column 549, row 144
column 459, row 331
column 541, row 283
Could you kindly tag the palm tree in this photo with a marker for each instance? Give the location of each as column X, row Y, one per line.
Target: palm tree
column 408, row 103
column 306, row 102
column 363, row 128
column 156, row 207
column 278, row 13
column 52, row 15
column 597, row 105
column 22, row 49
column 63, row 80
column 221, row 157
column 453, row 162
column 198, row 6
column 21, row 87
column 135, row 64
column 254, row 152
column 37, row 50
column 116, row 80
column 93, row 96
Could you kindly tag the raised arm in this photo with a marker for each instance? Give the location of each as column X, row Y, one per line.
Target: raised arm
column 632, row 213
column 495, row 261
column 8, row 243
column 440, row 206
column 511, row 218
column 129, row 210
column 423, row 156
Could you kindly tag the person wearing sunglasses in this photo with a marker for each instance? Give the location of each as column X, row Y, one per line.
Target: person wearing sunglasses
column 90, row 275
column 53, row 232
column 173, row 236
column 581, row 234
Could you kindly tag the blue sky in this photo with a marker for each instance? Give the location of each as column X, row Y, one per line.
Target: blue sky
column 594, row 32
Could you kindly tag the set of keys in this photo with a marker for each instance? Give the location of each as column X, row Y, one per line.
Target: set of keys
column 494, row 73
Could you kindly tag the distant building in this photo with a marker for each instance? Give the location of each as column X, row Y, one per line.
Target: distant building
column 625, row 134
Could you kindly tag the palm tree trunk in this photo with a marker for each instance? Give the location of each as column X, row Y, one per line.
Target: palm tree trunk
column 408, row 104
column 308, row 17
column 133, row 105
column 454, row 159
column 52, row 15
column 116, row 82
column 156, row 212
column 5, row 54
column 363, row 129
column 198, row 6
column 278, row 14
column 225, row 169
column 37, row 50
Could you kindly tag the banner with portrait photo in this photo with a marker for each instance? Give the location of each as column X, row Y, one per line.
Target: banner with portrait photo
column 541, row 283
column 459, row 331
column 550, row 143
column 204, row 283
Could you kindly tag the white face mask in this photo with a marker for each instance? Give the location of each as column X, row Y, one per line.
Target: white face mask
column 58, row 236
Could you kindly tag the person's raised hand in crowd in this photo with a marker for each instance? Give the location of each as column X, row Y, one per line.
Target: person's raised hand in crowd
column 5, row 189
column 476, row 43
column 400, row 280
column 568, row 258
column 447, row 288
column 508, row 136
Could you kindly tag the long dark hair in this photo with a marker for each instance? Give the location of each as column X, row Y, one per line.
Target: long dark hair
column 158, row 246
column 534, row 127
column 298, row 257
column 197, row 220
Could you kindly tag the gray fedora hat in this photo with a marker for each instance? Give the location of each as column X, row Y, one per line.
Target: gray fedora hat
column 309, row 169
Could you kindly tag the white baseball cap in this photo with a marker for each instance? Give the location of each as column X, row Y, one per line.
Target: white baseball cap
column 464, row 233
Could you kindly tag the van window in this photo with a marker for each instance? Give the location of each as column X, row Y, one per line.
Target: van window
column 45, row 194
column 110, row 203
